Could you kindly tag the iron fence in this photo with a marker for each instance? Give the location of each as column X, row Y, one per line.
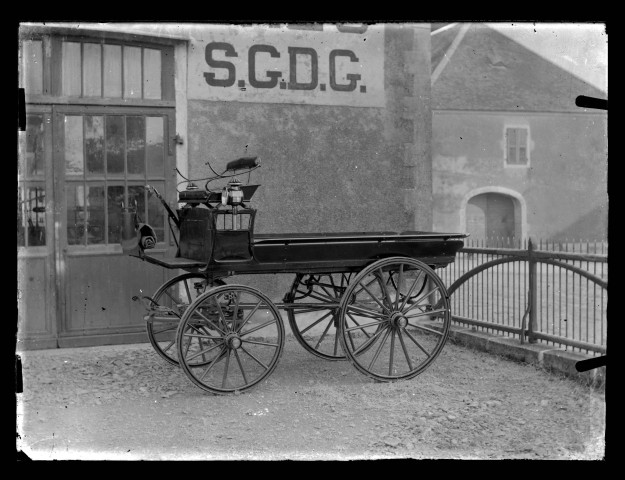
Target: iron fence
column 538, row 291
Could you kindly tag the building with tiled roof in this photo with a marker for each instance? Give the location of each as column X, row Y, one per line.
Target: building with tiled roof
column 513, row 156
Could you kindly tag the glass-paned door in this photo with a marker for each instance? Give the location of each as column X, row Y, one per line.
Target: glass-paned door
column 108, row 158
column 109, row 161
column 35, row 239
column 31, row 191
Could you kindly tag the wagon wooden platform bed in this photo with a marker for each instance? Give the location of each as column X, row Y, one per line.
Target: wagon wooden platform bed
column 327, row 252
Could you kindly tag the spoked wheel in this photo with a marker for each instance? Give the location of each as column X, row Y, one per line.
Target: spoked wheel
column 229, row 339
column 170, row 302
column 401, row 342
column 314, row 323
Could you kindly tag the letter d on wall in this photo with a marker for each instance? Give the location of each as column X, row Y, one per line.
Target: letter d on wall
column 314, row 68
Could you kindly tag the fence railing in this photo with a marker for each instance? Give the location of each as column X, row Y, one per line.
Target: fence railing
column 547, row 292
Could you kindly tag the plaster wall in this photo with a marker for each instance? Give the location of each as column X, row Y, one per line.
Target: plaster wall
column 563, row 189
column 330, row 168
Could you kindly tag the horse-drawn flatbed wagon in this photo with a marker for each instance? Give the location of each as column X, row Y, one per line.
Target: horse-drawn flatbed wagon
column 369, row 297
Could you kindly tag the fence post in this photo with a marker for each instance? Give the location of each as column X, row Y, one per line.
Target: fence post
column 533, row 320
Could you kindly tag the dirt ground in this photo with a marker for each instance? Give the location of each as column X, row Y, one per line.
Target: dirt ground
column 125, row 402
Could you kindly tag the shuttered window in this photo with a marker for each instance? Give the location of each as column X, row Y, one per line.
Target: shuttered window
column 517, row 146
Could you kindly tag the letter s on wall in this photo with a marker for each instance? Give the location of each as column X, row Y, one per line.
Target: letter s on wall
column 208, row 54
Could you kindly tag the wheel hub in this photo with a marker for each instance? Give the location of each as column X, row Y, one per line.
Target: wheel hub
column 398, row 320
column 233, row 341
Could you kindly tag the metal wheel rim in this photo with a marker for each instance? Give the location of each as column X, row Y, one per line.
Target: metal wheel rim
column 413, row 345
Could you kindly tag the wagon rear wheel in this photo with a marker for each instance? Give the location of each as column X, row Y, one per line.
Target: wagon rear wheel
column 314, row 321
column 238, row 334
column 170, row 302
column 403, row 339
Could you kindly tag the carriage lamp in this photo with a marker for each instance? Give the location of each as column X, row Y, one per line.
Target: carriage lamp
column 232, row 194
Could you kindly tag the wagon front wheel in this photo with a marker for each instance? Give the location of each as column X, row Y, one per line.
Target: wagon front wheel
column 237, row 332
column 402, row 339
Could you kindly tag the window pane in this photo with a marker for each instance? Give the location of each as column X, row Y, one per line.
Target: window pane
column 95, row 215
column 33, row 66
column 92, row 71
column 31, row 152
column 115, row 140
column 522, row 145
column 36, row 215
column 132, row 72
column 74, row 163
column 136, row 198
column 244, row 221
column 31, row 216
column 511, row 137
column 70, row 67
column 151, row 73
column 115, row 198
column 154, row 139
column 522, row 136
column 112, row 71
column 94, row 145
column 156, row 211
column 135, row 149
column 522, row 155
column 21, row 218
column 75, row 199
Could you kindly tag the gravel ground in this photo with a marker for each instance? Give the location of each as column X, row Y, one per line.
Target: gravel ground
column 124, row 402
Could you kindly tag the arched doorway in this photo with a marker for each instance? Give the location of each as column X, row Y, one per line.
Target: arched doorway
column 492, row 216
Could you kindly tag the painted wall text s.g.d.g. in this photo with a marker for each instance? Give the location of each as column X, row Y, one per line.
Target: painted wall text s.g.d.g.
column 270, row 78
column 319, row 64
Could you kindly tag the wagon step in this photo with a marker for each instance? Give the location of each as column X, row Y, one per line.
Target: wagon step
column 162, row 314
column 158, row 312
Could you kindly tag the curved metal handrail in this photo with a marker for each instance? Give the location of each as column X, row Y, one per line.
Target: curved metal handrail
column 454, row 286
column 532, row 257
